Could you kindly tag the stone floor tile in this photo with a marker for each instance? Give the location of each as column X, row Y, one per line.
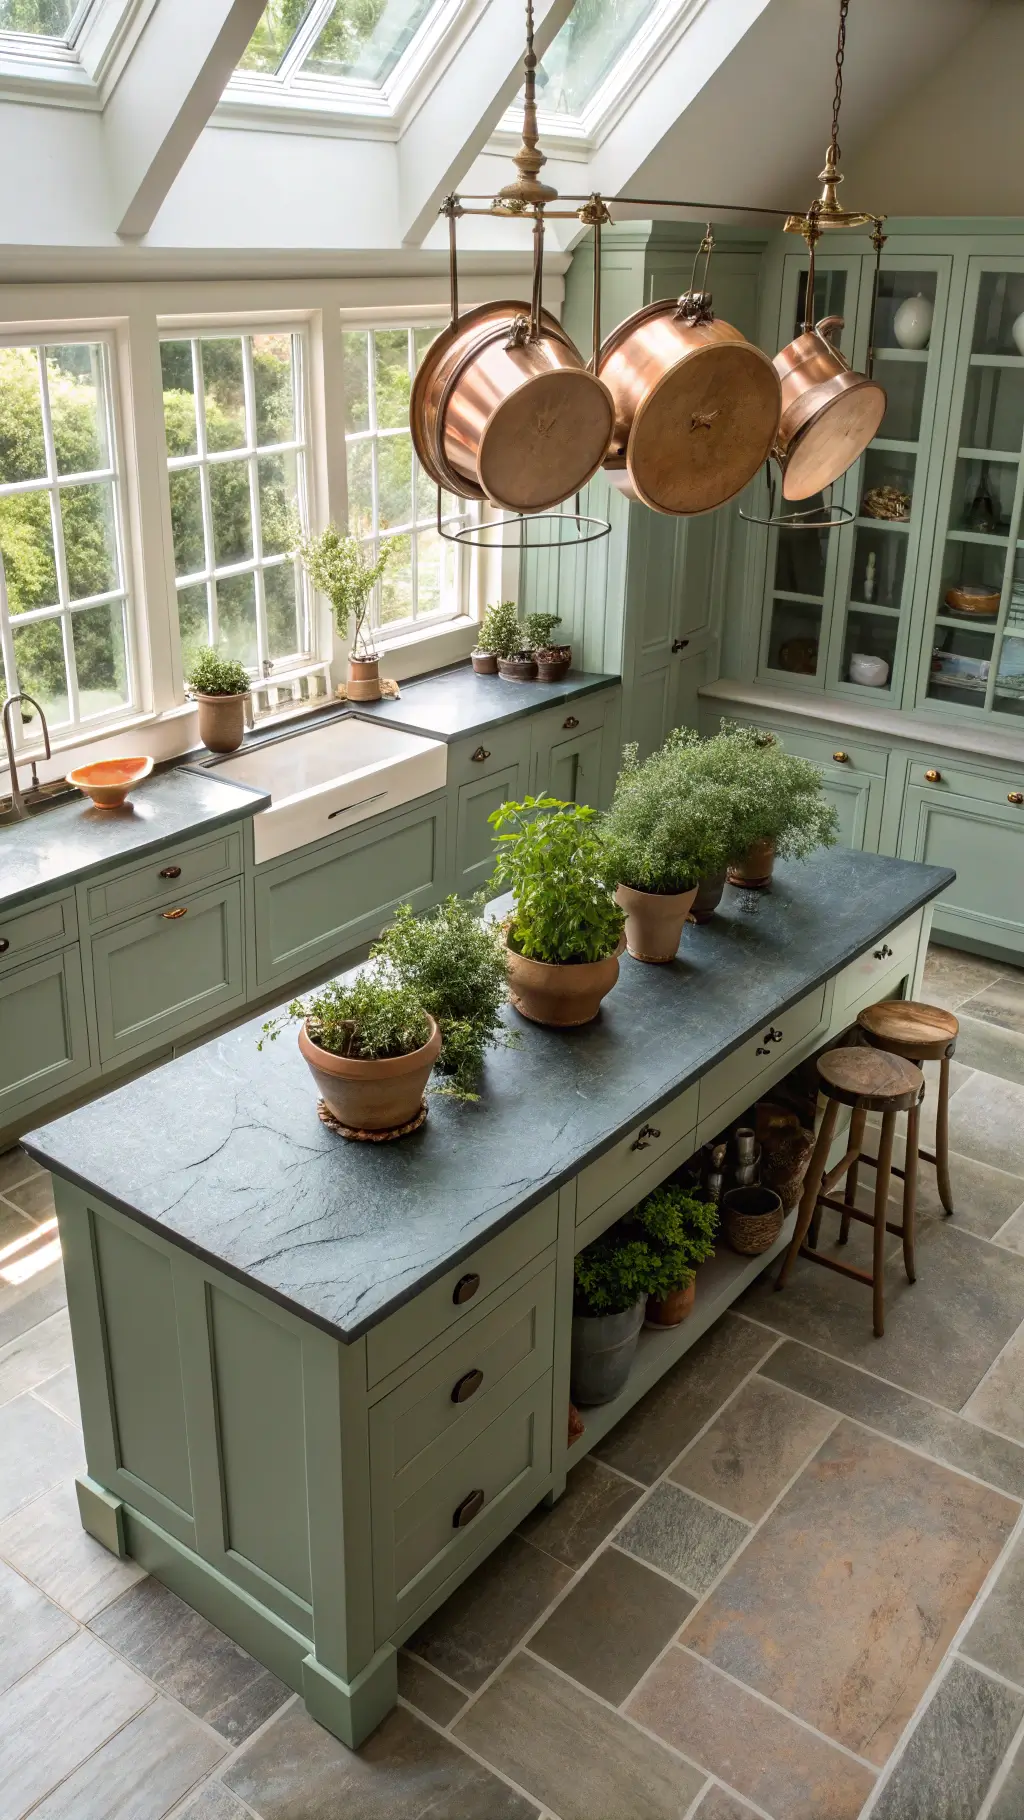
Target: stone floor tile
column 751, row 1451
column 784, row 1768
column 189, row 1659
column 951, row 975
column 490, row 1612
column 16, row 1166
column 58, row 1714
column 1001, row 1003
column 843, row 1602
column 593, row 1502
column 25, row 1305
column 954, row 1750
column 35, row 1355
column 998, row 1401
column 428, row 1692
column 581, row 1760
column 30, row 1627
column 60, row 1393
column 941, row 1333
column 140, row 1773
column 295, row 1770
column 683, row 1536
column 1009, row 1803
column 37, row 1449
column 949, row 1438
column 648, row 1439
column 990, row 1047
column 986, row 1120
column 608, row 1630
column 1012, row 1234
column 996, row 1638
column 34, row 1196
column 983, row 1198
column 213, row 1802
column 719, row 1804
column 13, row 1225
column 46, row 1542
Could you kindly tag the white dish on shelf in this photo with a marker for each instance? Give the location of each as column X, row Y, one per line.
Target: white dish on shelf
column 870, row 672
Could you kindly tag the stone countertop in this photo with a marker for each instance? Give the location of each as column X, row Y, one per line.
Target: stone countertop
column 895, row 726
column 72, row 841
column 342, row 1234
column 457, row 703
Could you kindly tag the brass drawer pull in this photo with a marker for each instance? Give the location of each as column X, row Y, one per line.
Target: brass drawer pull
column 468, row 1509
column 645, row 1133
column 171, row 916
column 884, row 953
column 569, row 723
column 4, row 944
column 772, row 1035
column 478, row 757
column 466, row 1288
column 841, row 758
column 679, row 644
column 467, row 1386
column 933, row 777
column 1015, row 796
column 170, row 872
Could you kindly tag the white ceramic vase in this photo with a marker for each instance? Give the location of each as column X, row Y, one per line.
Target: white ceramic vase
column 870, row 672
column 912, row 323
column 1017, row 331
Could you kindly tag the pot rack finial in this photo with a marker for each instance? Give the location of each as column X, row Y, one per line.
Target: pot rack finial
column 527, row 192
column 826, row 211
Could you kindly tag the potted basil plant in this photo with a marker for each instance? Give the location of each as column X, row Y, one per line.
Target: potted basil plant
column 221, row 688
column 337, row 567
column 369, row 1046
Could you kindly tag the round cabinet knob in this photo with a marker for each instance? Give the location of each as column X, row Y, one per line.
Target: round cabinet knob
column 170, row 872
column 467, row 1386
column 468, row 1509
column 4, row 944
column 466, row 1288
column 841, row 758
column 569, row 723
column 171, row 916
column 478, row 757
column 1015, row 796
column 933, row 777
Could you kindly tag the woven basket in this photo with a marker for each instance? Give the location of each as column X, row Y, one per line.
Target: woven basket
column 750, row 1233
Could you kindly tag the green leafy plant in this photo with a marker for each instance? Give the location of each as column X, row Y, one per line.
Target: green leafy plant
column 501, row 631
column 537, row 630
column 454, row 963
column 772, row 794
column 668, row 826
column 679, row 1229
column 337, row 567
column 370, row 1017
column 550, row 853
column 211, row 674
column 612, row 1274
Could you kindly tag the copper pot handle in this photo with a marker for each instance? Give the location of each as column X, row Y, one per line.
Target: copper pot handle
column 825, row 329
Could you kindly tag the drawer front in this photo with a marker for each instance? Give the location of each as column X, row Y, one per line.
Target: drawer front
column 442, row 1405
column 165, row 877
column 425, row 1525
column 837, row 755
column 43, row 1037
column 161, row 972
column 892, row 954
column 763, row 1052
column 640, row 1160
column 36, row 928
column 452, row 1303
column 585, row 715
column 500, row 749
column 939, row 779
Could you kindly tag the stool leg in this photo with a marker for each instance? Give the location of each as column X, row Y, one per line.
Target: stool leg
column 910, row 1192
column 858, row 1119
column 882, row 1178
column 942, row 1139
column 812, row 1185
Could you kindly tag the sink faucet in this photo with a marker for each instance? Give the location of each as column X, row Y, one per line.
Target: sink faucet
column 17, row 800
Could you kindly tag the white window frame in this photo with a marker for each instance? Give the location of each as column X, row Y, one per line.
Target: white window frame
column 289, row 87
column 65, row 610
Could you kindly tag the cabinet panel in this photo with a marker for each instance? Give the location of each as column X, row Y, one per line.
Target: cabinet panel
column 474, row 836
column 984, row 843
column 162, row 971
column 143, row 1363
column 571, row 769
column 35, row 929
column 43, row 1037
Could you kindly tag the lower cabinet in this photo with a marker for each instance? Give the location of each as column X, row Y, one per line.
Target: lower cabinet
column 44, row 1042
column 169, row 970
column 971, row 821
column 568, row 749
column 854, row 779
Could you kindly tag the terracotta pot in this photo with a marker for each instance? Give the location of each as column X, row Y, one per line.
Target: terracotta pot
column 754, row 870
column 560, row 995
column 222, row 721
column 708, row 898
column 554, row 663
column 673, row 1309
column 654, row 921
column 363, row 679
column 518, row 669
column 485, row 663
column 371, row 1095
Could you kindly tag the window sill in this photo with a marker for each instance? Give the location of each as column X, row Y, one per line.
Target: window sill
column 415, row 653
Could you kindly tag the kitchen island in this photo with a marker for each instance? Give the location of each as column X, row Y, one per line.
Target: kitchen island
column 271, row 1325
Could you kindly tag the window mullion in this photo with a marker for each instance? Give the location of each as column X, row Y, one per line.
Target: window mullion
column 199, row 386
column 60, row 555
column 7, row 646
column 255, row 523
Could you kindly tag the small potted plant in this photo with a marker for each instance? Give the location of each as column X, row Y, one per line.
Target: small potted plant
column 680, row 1231
column 454, row 964
column 612, row 1280
column 369, row 1046
column 337, row 567
column 665, row 830
column 500, row 634
column 777, row 803
column 221, row 688
column 564, row 935
column 552, row 660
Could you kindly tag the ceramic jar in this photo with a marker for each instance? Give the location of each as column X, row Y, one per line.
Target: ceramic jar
column 222, row 721
column 871, row 672
column 912, row 323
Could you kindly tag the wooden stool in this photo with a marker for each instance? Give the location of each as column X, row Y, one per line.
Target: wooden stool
column 919, row 1033
column 868, row 1080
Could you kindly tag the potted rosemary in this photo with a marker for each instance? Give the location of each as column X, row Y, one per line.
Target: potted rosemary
column 337, row 568
column 454, row 963
column 369, row 1046
column 221, row 688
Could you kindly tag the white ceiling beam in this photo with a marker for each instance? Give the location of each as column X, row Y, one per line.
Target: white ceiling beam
column 470, row 90
column 164, row 96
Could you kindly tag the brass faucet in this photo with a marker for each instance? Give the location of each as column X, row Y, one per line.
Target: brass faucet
column 17, row 800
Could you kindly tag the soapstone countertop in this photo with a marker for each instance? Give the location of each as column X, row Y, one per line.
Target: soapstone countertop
column 457, row 703
column 342, row 1234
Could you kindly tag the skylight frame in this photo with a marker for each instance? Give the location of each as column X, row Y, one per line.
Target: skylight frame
column 42, row 47
column 292, row 88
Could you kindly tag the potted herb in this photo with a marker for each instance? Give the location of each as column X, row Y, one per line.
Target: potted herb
column 369, row 1046
column 520, row 665
column 500, row 634
column 552, row 660
column 666, row 829
column 777, row 803
column 337, row 567
column 221, row 687
column 564, row 935
column 680, row 1230
column 454, row 964
column 612, row 1280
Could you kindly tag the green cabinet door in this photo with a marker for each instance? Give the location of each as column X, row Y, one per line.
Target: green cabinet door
column 857, row 800
column 43, row 1037
column 474, row 836
column 573, row 771
column 169, row 970
column 984, row 843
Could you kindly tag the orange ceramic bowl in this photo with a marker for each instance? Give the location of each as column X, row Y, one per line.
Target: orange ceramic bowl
column 109, row 780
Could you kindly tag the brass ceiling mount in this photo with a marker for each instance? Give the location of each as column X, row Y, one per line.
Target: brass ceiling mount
column 527, row 191
column 826, row 212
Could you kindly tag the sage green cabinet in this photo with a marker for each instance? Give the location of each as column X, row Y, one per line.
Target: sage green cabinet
column 853, row 773
column 568, row 750
column 168, row 970
column 967, row 818
column 482, row 774
column 44, row 1041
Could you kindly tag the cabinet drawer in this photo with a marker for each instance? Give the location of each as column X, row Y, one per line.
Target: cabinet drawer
column 956, row 780
column 762, row 1053
column 164, row 878
column 892, row 954
column 584, row 715
column 496, row 750
column 429, row 1522
column 43, row 1038
column 162, row 972
column 436, row 1310
column 35, row 928
column 639, row 1161
column 837, row 755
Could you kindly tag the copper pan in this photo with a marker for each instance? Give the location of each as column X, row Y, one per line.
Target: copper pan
column 696, row 406
column 829, row 412
column 498, row 415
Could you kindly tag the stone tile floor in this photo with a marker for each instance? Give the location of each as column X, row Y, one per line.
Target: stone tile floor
column 790, row 1584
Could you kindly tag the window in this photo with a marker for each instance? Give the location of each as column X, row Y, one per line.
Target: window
column 236, row 444
column 390, row 499
column 360, row 42
column 585, row 52
column 58, row 19
column 65, row 627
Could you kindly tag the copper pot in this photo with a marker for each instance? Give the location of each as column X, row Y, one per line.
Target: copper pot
column 696, row 406
column 500, row 416
column 829, row 412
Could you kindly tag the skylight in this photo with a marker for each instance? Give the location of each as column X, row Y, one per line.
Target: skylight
column 586, row 51
column 361, row 41
column 57, row 19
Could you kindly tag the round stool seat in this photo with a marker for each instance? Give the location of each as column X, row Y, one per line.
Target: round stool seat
column 921, row 1033
column 871, row 1078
